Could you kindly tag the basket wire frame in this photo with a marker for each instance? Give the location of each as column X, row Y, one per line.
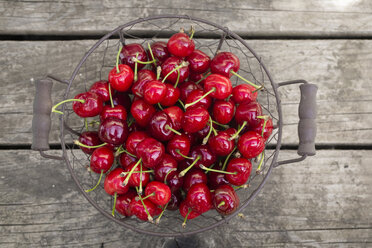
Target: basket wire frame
column 100, row 59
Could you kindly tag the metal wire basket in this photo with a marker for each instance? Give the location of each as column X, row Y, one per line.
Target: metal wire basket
column 210, row 38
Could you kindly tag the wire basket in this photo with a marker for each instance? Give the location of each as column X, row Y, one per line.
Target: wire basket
column 208, row 37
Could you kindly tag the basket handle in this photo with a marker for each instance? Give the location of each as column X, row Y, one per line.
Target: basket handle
column 307, row 112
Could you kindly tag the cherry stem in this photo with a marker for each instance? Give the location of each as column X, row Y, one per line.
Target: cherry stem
column 152, row 55
column 204, row 77
column 144, row 206
column 221, row 204
column 187, row 215
column 161, row 214
column 184, row 156
column 178, row 78
column 184, row 63
column 263, row 127
column 219, row 171
column 206, row 172
column 95, row 186
column 64, row 101
column 173, row 130
column 245, row 80
column 192, row 31
column 205, row 140
column 131, row 172
column 165, row 178
column 219, row 124
column 121, row 150
column 76, row 142
column 86, row 124
column 237, row 133
column 159, row 105
column 143, row 62
column 111, row 102
column 227, row 159
column 183, row 105
column 201, row 98
column 123, row 174
column 140, row 186
column 117, row 61
column 135, row 67
column 92, row 123
column 158, row 72
column 182, row 173
column 143, row 198
column 244, row 186
column 261, row 162
column 113, row 208
column 130, row 122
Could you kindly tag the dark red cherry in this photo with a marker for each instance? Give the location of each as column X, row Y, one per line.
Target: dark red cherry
column 114, row 182
column 160, row 126
column 176, row 115
column 113, row 131
column 171, row 97
column 166, row 168
column 117, row 111
column 186, row 88
column 142, row 112
column 185, row 211
column 248, row 111
column 223, row 111
column 101, row 88
column 216, row 179
column 220, row 84
column 194, row 176
column 89, row 138
column 180, row 45
column 196, row 95
column 244, row 93
column 197, row 78
column 225, row 200
column 201, row 134
column 230, row 131
column 133, row 140
column 122, row 80
column 195, row 119
column 175, row 201
column 160, row 193
column 160, row 51
column 175, row 182
column 101, row 160
column 268, row 128
column 242, row 167
column 91, row 107
column 125, row 160
column 123, row 203
column 207, row 157
column 135, row 178
column 136, row 207
column 221, row 145
column 198, row 61
column 154, row 91
column 193, row 138
column 143, row 77
column 170, row 64
column 129, row 52
column 199, row 198
column 224, row 62
column 123, row 99
column 179, row 144
column 251, row 144
column 151, row 152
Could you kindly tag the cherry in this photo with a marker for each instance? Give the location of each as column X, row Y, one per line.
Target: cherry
column 199, row 61
column 225, row 200
column 135, row 178
column 121, row 77
column 223, row 111
column 125, row 160
column 114, row 182
column 266, row 131
column 207, row 157
column 175, row 182
column 187, row 212
column 201, row 134
column 251, row 144
column 244, row 93
column 171, row 97
column 101, row 88
column 195, row 95
column 220, row 84
column 157, row 192
column 215, row 179
column 166, row 168
column 192, row 137
column 192, row 177
column 230, row 131
column 101, row 160
column 175, row 114
column 154, row 91
column 186, row 88
column 225, row 62
column 180, row 45
column 123, row 99
column 113, row 131
column 198, row 78
column 123, row 203
column 195, row 119
column 133, row 140
column 175, row 200
column 142, row 112
column 242, row 167
column 143, row 210
column 133, row 51
column 151, row 152
column 179, row 144
column 89, row 104
column 199, row 198
column 161, row 127
column 160, row 51
column 221, row 144
column 144, row 76
column 89, row 138
column 117, row 111
column 247, row 113
column 170, row 65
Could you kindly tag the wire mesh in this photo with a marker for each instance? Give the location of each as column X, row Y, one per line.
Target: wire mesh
column 101, row 58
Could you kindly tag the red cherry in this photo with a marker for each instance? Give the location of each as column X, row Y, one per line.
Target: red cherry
column 143, row 77
column 251, row 144
column 223, row 111
column 199, row 198
column 135, row 178
column 101, row 160
column 179, row 144
column 175, row 182
column 142, row 112
column 186, row 88
column 91, row 107
column 129, row 52
column 125, row 160
column 193, row 138
column 196, row 95
column 160, row 193
column 136, row 208
column 117, row 111
column 114, row 182
column 113, row 131
column 195, row 119
column 170, row 64
column 154, row 91
column 225, row 200
column 244, row 93
column 242, row 167
column 230, row 131
column 133, row 140
column 199, row 61
column 180, row 45
column 221, row 144
column 201, row 134
column 197, row 78
column 122, row 80
column 185, row 210
column 175, row 201
column 101, row 88
column 192, row 177
column 166, row 168
column 89, row 138
column 220, row 84
column 268, row 128
column 151, row 152
column 123, row 203
column 160, row 126
column 171, row 97
column 224, row 62
column 207, row 157
column 248, row 112
column 216, row 179
column 123, row 99
column 160, row 51
column 175, row 114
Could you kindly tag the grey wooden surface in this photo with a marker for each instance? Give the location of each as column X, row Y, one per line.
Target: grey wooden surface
column 324, row 201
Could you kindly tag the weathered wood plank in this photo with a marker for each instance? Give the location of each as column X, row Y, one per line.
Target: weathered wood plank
column 323, row 201
column 339, row 67
column 266, row 18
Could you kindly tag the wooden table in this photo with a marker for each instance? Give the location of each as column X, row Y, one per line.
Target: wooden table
column 325, row 201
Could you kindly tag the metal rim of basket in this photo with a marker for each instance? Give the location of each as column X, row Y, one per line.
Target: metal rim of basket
column 253, row 194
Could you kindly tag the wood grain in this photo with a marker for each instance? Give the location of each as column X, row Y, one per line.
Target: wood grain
column 257, row 18
column 340, row 68
column 324, row 201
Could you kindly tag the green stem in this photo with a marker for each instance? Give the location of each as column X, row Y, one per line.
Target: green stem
column 140, row 186
column 201, row 98
column 184, row 63
column 161, row 214
column 219, row 171
column 143, row 198
column 64, row 101
column 205, row 140
column 159, row 105
column 173, row 130
column 165, row 178
column 245, row 80
column 111, row 102
column 152, row 55
column 261, row 162
column 144, row 206
column 204, row 77
column 183, row 105
column 227, row 159
column 95, row 186
column 187, row 215
column 184, row 156
column 244, row 186
column 135, row 68
column 121, row 150
column 123, row 174
column 143, row 62
column 130, row 122
column 237, row 133
column 158, row 72
column 219, row 124
column 76, row 142
column 263, row 127
column 221, row 204
column 192, row 31
column 117, row 61
column 131, row 172
column 113, row 208
column 182, row 173
column 178, row 78
column 86, row 124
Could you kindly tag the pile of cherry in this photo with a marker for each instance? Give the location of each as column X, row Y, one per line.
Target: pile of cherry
column 173, row 132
